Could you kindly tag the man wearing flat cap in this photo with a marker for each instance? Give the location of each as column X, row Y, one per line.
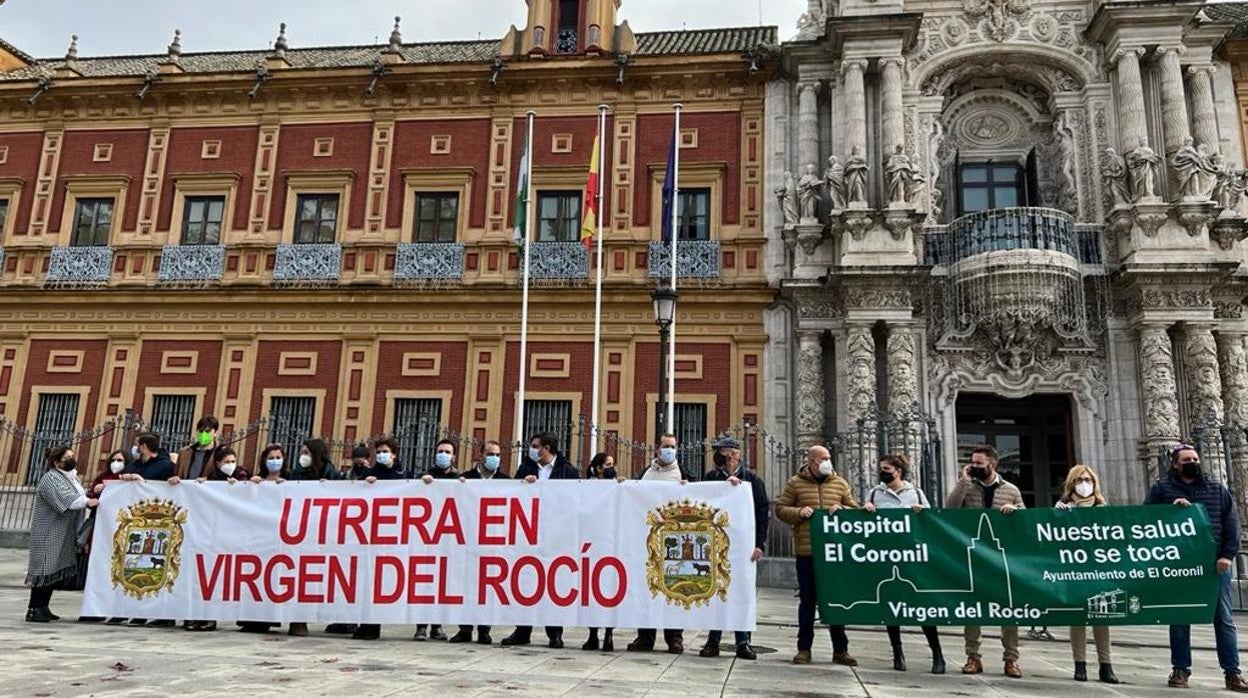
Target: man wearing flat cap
column 727, row 458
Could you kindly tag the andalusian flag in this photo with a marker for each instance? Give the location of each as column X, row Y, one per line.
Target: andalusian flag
column 589, row 222
column 521, row 213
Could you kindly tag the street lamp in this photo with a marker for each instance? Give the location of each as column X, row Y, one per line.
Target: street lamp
column 664, row 298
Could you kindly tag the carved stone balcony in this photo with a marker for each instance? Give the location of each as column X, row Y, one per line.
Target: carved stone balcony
column 696, row 259
column 429, row 261
column 200, row 264
column 79, row 266
column 557, row 261
column 308, row 264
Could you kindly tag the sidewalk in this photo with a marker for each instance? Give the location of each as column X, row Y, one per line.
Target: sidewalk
column 69, row 659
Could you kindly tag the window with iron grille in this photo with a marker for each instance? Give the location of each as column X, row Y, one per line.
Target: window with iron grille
column 552, row 417
column 201, row 220
column 93, row 219
column 54, row 425
column 690, row 431
column 693, row 218
column 4, row 212
column 172, row 417
column 417, row 428
column 437, row 216
column 558, row 216
column 316, row 219
column 290, row 423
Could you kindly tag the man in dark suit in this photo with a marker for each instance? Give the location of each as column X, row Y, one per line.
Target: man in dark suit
column 543, row 463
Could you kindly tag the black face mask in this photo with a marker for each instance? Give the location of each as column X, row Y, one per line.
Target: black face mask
column 69, row 464
column 887, row 478
column 720, row 460
column 978, row 472
column 1190, row 470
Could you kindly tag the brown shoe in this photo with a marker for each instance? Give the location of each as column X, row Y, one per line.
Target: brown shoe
column 1236, row 683
column 973, row 666
column 802, row 657
column 676, row 647
column 1178, row 679
column 844, row 659
column 1012, row 670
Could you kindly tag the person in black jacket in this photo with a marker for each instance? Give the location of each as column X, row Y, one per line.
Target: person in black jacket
column 443, row 469
column 1184, row 485
column 489, row 468
column 151, row 462
column 727, row 460
column 543, row 463
column 601, row 467
column 384, row 465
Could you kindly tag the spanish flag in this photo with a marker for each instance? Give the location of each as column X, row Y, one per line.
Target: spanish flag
column 589, row 222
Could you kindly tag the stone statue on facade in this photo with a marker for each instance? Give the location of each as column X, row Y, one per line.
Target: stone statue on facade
column 902, row 177
column 1142, row 165
column 786, row 194
column 1067, row 152
column 856, row 177
column 1115, row 177
column 834, row 182
column 808, row 188
column 1228, row 188
column 1191, row 169
column 935, row 139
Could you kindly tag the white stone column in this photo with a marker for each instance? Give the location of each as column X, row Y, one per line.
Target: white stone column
column 807, row 124
column 892, row 122
column 1204, row 116
column 1174, row 120
column 861, row 401
column 903, row 393
column 1132, row 128
column 1160, row 392
column 1204, row 393
column 855, row 96
column 810, row 407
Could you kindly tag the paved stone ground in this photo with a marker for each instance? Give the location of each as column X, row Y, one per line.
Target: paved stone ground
column 71, row 659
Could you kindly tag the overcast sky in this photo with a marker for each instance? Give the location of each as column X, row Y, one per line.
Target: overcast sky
column 110, row 27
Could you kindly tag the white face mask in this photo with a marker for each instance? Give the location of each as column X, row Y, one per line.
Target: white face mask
column 305, row 461
column 1083, row 489
column 825, row 467
column 227, row 469
column 384, row 457
column 117, row 466
column 667, row 455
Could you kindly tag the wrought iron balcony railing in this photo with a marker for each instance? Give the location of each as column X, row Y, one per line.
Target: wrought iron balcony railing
column 321, row 262
column 1004, row 229
column 432, row 260
column 557, row 260
column 189, row 263
column 80, row 266
column 696, row 259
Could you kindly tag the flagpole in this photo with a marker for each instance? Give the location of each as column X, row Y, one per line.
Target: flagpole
column 524, row 294
column 671, row 353
column 602, row 158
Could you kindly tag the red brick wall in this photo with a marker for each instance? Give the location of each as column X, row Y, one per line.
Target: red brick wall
column 207, row 372
column 716, row 380
column 583, row 130
column 452, row 370
column 22, row 162
column 37, row 375
column 719, row 140
column 328, row 369
column 238, row 156
column 580, row 380
column 352, row 142
column 470, row 147
column 77, row 157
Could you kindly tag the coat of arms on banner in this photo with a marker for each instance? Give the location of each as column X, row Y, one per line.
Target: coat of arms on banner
column 147, row 547
column 687, row 553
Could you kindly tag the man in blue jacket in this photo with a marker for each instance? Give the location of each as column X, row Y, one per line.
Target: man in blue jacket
column 1184, row 485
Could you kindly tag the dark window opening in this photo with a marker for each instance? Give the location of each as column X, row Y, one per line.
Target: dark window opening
column 986, row 186
column 559, row 216
column 93, row 220
column 437, row 216
column 201, row 220
column 316, row 218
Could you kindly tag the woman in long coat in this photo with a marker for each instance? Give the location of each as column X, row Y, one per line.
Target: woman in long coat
column 59, row 503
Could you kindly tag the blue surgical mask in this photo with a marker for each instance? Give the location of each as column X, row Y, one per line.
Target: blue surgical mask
column 443, row 459
column 273, row 465
column 667, row 455
column 492, row 462
column 385, row 458
column 534, row 453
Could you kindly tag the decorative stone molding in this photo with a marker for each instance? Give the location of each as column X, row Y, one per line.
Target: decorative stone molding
column 903, row 380
column 810, row 407
column 1160, row 399
column 818, row 304
column 1204, row 380
column 860, row 370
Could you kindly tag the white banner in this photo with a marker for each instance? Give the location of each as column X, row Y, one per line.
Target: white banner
column 571, row 553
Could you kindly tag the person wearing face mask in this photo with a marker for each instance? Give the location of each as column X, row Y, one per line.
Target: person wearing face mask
column 815, row 486
column 443, row 469
column 664, row 468
column 195, row 461
column 271, row 468
column 727, row 459
column 1183, row 485
column 602, row 467
column 384, row 464
column 895, row 492
column 151, row 462
column 1083, row 489
column 60, row 501
column 313, row 465
column 543, row 463
column 224, row 467
column 489, row 468
column 982, row 487
column 113, row 467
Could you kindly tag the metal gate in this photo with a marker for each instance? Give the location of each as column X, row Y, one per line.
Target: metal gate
column 290, row 422
column 690, row 431
column 417, row 425
column 552, row 417
column 172, row 419
column 55, row 423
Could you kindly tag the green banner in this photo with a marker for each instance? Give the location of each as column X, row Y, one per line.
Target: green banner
column 1129, row 565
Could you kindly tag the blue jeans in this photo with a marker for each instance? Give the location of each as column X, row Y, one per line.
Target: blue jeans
column 1223, row 633
column 741, row 637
